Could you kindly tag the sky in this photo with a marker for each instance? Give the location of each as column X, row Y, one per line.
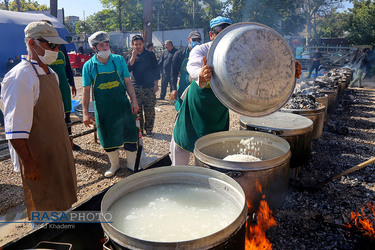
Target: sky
column 85, row 8
column 80, row 8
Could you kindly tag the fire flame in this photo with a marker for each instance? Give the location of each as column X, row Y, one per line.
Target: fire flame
column 364, row 222
column 256, row 234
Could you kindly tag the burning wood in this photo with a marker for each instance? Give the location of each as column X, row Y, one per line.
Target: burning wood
column 363, row 221
column 256, row 234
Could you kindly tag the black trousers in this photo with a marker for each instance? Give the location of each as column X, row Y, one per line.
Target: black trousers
column 315, row 66
column 164, row 84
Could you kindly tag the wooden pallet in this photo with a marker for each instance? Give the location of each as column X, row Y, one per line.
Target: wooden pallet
column 333, row 57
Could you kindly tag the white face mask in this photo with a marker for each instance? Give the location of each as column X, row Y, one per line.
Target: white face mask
column 104, row 54
column 49, row 56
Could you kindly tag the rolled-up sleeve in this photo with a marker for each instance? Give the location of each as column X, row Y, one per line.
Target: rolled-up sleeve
column 196, row 60
column 19, row 94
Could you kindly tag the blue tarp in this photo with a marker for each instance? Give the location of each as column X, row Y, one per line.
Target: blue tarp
column 12, row 25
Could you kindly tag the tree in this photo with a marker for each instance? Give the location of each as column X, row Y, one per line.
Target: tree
column 361, row 23
column 332, row 25
column 129, row 14
column 314, row 9
column 83, row 27
column 22, row 5
column 281, row 15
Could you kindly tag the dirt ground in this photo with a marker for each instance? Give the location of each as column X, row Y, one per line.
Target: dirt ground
column 302, row 213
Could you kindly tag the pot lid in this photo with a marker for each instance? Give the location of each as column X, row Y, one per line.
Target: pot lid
column 279, row 123
column 254, row 69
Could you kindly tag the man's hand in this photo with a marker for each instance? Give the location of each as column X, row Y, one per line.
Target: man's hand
column 134, row 53
column 135, row 107
column 74, row 92
column 174, row 95
column 30, row 170
column 206, row 72
column 298, row 69
column 88, row 120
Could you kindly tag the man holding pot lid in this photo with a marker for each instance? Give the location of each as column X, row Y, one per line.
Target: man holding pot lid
column 109, row 78
column 35, row 125
column 201, row 113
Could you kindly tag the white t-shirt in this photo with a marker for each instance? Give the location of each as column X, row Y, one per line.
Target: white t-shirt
column 195, row 62
column 20, row 93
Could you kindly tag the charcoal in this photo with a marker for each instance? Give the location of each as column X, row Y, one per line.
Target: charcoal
column 299, row 101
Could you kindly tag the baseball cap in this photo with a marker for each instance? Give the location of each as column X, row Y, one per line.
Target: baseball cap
column 195, row 34
column 44, row 30
column 219, row 20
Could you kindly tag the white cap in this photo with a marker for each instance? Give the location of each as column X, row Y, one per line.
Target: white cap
column 98, row 37
column 44, row 30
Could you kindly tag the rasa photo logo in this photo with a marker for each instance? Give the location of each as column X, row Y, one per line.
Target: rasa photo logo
column 70, row 217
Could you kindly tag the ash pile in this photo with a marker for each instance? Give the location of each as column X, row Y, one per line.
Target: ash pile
column 321, row 218
column 301, row 101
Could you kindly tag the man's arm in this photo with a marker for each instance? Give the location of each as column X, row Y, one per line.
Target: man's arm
column 68, row 68
column 87, row 118
column 132, row 59
column 131, row 92
column 68, row 71
column 30, row 167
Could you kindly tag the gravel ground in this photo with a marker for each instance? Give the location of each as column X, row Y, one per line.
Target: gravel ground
column 91, row 163
column 306, row 220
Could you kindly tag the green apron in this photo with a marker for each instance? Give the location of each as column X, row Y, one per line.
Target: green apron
column 183, row 83
column 59, row 67
column 114, row 119
column 201, row 113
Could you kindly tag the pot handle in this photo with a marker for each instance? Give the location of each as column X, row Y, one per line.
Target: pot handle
column 269, row 131
column 106, row 243
column 234, row 174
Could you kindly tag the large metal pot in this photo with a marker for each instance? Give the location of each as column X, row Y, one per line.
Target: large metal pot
column 272, row 172
column 324, row 100
column 332, row 99
column 341, row 86
column 316, row 115
column 295, row 129
column 247, row 59
column 231, row 237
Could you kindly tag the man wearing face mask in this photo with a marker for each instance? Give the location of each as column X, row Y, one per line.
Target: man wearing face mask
column 109, row 77
column 35, row 125
column 179, row 62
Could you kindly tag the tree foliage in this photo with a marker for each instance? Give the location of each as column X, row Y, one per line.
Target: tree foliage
column 313, row 10
column 24, row 5
column 319, row 18
column 361, row 22
column 333, row 24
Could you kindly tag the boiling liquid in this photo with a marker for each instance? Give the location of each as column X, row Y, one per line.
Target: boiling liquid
column 241, row 158
column 250, row 147
column 173, row 212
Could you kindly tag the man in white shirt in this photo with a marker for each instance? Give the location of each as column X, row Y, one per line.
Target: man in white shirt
column 35, row 125
column 201, row 113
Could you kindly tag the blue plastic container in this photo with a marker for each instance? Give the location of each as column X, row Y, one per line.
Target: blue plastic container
column 74, row 103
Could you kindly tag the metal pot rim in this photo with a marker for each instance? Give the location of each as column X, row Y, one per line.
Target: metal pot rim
column 152, row 174
column 256, row 98
column 244, row 166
